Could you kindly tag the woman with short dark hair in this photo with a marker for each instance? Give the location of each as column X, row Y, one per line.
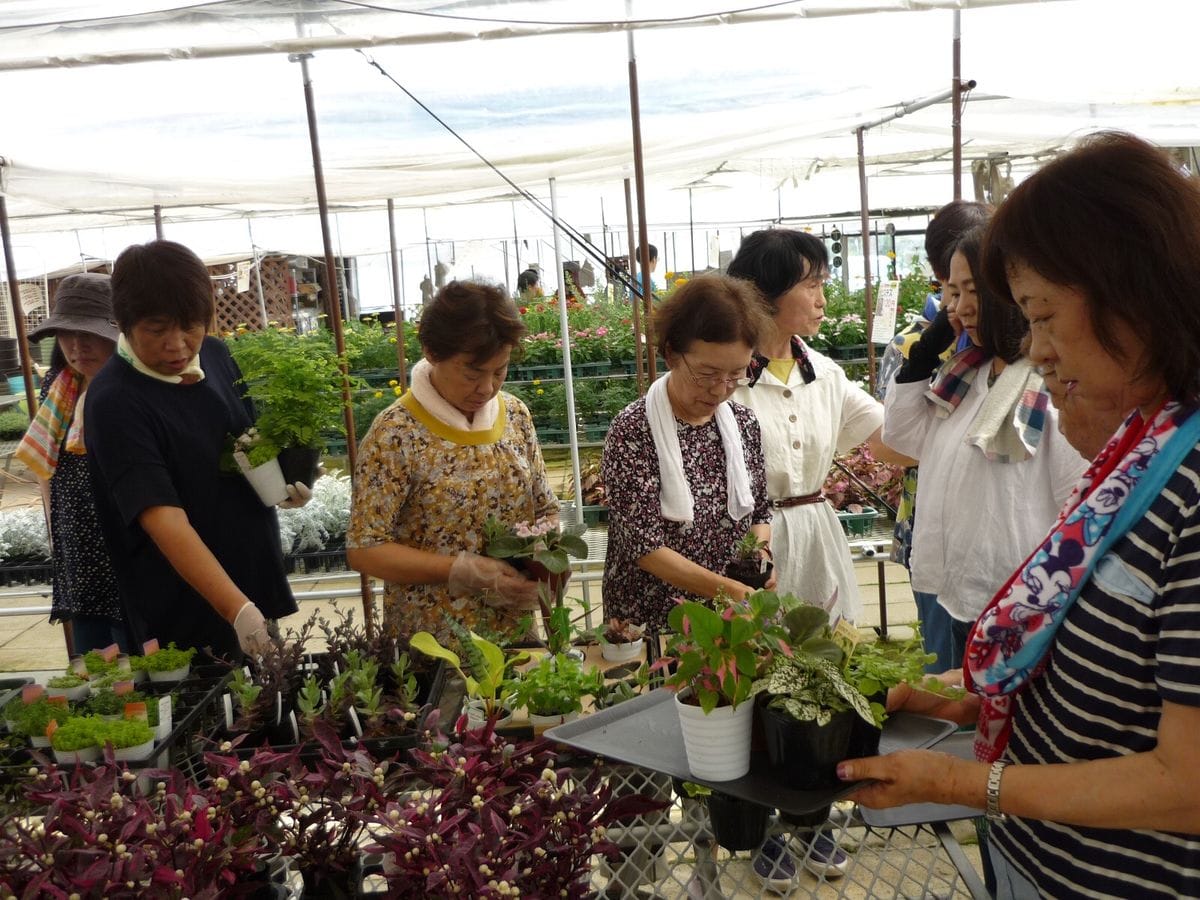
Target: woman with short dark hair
column 197, row 555
column 441, row 459
column 683, row 465
column 1084, row 669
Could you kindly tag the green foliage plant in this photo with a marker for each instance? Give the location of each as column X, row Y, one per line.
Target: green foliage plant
column 749, row 546
column 77, row 733
column 544, row 543
column 555, row 686
column 165, row 659
column 31, row 719
column 123, row 733
column 718, row 653
column 67, row 681
column 489, row 674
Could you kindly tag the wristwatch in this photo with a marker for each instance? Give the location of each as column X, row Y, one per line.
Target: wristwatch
column 993, row 791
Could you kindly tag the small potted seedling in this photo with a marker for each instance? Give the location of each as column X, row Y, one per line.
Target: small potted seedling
column 553, row 690
column 167, row 663
column 31, row 719
column 622, row 640
column 132, row 739
column 750, row 565
column 75, row 740
column 74, row 687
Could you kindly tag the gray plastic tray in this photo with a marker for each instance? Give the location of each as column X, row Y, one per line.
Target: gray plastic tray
column 645, row 731
column 960, row 744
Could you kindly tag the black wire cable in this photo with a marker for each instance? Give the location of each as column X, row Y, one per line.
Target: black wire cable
column 591, row 249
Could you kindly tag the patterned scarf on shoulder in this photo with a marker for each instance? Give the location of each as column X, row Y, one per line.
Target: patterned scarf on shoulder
column 1010, row 643
column 60, row 414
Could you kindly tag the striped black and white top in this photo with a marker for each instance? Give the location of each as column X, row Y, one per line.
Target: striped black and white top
column 1131, row 641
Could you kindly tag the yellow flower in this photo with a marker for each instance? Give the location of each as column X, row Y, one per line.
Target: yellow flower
column 393, row 383
column 891, row 254
column 540, row 392
column 398, row 391
column 378, row 394
column 536, row 382
column 680, row 282
column 391, row 340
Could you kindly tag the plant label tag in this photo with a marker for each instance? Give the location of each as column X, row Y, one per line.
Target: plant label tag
column 228, row 703
column 121, row 688
column 336, row 671
column 51, row 727
column 124, row 664
column 164, row 715
column 60, row 700
column 79, row 666
column 353, row 713
column 111, row 652
column 31, row 693
column 278, row 707
column 137, row 710
column 150, row 647
column 295, row 726
column 846, row 635
column 246, row 671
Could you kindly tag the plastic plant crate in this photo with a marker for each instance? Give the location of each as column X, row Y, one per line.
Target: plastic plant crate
column 858, row 524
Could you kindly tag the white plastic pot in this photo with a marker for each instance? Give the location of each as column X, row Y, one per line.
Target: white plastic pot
column 623, row 652
column 477, row 715
column 74, row 757
column 74, row 695
column 717, row 744
column 541, row 723
column 39, row 740
column 267, row 481
column 135, row 753
column 170, row 674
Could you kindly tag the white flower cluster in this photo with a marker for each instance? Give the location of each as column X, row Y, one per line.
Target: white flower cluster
column 23, row 533
column 322, row 519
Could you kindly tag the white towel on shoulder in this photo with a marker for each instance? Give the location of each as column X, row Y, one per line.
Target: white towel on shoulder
column 442, row 410
column 998, row 428
column 675, row 494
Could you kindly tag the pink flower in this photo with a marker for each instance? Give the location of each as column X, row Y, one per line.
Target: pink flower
column 601, row 331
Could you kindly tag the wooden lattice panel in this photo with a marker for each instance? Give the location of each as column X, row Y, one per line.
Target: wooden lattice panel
column 237, row 308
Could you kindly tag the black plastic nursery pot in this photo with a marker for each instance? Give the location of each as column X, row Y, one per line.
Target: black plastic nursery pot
column 804, row 755
column 300, row 464
column 746, row 571
column 737, row 824
column 864, row 739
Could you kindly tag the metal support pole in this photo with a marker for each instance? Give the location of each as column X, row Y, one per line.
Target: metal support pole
column 18, row 312
column 516, row 239
column 956, row 104
column 868, row 306
column 639, row 180
column 334, row 309
column 569, row 378
column 634, row 300
column 428, row 258
column 401, row 363
column 262, row 297
column 158, row 226
column 691, row 233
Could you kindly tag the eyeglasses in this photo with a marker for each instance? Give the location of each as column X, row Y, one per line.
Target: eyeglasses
column 714, row 381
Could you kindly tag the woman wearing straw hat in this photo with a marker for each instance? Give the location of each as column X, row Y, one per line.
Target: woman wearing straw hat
column 85, row 588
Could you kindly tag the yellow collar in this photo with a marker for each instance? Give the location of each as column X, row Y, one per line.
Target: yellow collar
column 449, row 432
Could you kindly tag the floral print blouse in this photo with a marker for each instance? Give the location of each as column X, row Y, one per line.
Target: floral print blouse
column 423, row 484
column 636, row 525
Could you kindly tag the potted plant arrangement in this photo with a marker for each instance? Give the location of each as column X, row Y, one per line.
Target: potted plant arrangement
column 488, row 675
column 875, row 667
column 30, row 719
column 295, row 382
column 809, row 706
column 167, row 663
column 499, row 820
column 717, row 656
column 131, row 739
column 541, row 550
column 749, row 564
column 77, row 740
column 552, row 691
column 74, row 687
column 621, row 640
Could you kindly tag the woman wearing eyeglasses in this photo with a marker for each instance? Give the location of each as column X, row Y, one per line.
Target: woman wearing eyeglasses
column 684, row 465
column 808, row 410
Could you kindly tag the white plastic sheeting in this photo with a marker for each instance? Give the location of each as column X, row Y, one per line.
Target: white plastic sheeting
column 750, row 105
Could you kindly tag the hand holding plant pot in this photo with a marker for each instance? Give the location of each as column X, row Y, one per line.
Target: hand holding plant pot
column 751, row 564
column 541, row 550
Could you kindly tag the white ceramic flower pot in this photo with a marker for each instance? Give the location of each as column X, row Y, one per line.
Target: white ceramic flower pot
column 39, row 740
column 170, row 674
column 623, row 652
column 477, row 715
column 717, row 744
column 74, row 757
column 541, row 723
column 267, row 481
column 135, row 753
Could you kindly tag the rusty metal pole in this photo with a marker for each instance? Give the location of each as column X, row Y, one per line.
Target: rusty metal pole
column 956, row 104
column 333, row 300
column 18, row 312
column 396, row 305
column 639, row 180
column 634, row 300
column 158, row 226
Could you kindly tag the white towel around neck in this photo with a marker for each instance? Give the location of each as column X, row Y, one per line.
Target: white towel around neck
column 675, row 494
column 445, row 412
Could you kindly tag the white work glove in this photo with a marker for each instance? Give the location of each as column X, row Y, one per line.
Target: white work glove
column 474, row 574
column 298, row 494
column 251, row 629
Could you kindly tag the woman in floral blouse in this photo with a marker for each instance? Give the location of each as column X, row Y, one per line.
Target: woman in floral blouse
column 684, row 465
column 438, row 461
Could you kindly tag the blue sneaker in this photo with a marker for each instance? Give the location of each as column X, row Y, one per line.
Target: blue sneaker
column 825, row 857
column 774, row 865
